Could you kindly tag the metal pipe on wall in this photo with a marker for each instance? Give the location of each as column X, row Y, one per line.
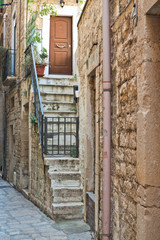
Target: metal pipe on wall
column 4, row 139
column 19, row 40
column 106, row 122
column 4, row 29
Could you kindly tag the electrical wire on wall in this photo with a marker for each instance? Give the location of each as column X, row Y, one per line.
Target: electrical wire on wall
column 6, row 4
column 134, row 14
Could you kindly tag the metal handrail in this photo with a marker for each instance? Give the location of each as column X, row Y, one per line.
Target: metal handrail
column 58, row 135
column 37, row 97
column 61, row 136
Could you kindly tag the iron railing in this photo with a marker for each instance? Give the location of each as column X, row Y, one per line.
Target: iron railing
column 58, row 135
column 37, row 98
column 61, row 136
column 10, row 64
column 31, row 69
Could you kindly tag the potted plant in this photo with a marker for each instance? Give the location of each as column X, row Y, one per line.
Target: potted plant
column 41, row 61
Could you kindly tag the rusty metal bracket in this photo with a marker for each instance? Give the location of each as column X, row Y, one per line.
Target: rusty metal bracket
column 134, row 14
column 106, row 235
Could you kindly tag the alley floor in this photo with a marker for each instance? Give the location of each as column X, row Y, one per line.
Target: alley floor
column 22, row 220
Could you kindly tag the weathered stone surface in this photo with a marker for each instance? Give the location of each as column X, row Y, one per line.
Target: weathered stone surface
column 148, row 222
column 149, row 196
column 21, row 219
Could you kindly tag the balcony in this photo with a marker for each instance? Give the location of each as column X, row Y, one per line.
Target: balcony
column 9, row 69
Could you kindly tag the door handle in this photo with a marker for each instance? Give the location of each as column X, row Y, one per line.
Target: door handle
column 60, row 46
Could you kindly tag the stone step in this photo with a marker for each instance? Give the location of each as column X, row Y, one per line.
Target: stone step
column 62, row 164
column 65, row 179
column 51, row 96
column 58, row 106
column 67, row 194
column 61, row 81
column 56, row 88
column 53, row 151
column 55, row 113
column 69, row 210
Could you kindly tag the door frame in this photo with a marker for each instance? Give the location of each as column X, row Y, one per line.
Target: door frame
column 67, row 69
column 67, row 11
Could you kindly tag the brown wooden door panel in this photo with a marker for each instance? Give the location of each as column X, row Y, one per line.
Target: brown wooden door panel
column 61, row 45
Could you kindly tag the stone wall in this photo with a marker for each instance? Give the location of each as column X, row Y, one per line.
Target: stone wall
column 40, row 191
column 124, row 115
column 1, row 127
column 13, row 143
column 24, row 163
column 135, row 116
column 124, row 122
column 19, row 8
column 90, row 105
column 148, row 121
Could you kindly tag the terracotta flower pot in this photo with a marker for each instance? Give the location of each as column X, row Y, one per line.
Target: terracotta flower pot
column 40, row 70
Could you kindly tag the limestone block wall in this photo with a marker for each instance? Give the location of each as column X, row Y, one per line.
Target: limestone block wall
column 40, row 191
column 18, row 9
column 124, row 115
column 13, row 143
column 135, row 73
column 24, row 163
column 90, row 104
column 124, row 122
column 1, row 127
column 148, row 121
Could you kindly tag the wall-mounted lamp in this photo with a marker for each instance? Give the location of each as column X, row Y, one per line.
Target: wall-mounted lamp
column 62, row 2
column 75, row 93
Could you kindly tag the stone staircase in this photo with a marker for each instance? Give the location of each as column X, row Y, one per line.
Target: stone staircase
column 57, row 97
column 64, row 172
column 66, row 184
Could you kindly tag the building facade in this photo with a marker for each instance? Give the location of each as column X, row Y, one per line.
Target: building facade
column 60, row 185
column 135, row 169
column 27, row 161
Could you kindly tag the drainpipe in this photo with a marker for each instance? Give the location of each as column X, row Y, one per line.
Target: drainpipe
column 4, row 138
column 4, row 29
column 106, row 122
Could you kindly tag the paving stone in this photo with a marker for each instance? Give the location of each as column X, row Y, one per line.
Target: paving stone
column 22, row 220
column 3, row 236
column 72, row 226
column 80, row 236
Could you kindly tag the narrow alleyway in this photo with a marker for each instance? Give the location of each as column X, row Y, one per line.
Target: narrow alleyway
column 20, row 219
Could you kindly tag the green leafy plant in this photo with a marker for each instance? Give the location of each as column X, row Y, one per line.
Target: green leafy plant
column 43, row 55
column 26, row 65
column 37, row 8
column 73, row 152
column 24, row 92
column 74, row 109
column 40, row 58
column 42, row 8
column 33, row 119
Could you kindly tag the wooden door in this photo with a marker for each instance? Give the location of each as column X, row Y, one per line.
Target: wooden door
column 60, row 45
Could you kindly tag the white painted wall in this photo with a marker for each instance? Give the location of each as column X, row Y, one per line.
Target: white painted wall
column 70, row 11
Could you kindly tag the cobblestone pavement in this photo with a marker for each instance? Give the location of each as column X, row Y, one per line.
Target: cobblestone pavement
column 22, row 220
